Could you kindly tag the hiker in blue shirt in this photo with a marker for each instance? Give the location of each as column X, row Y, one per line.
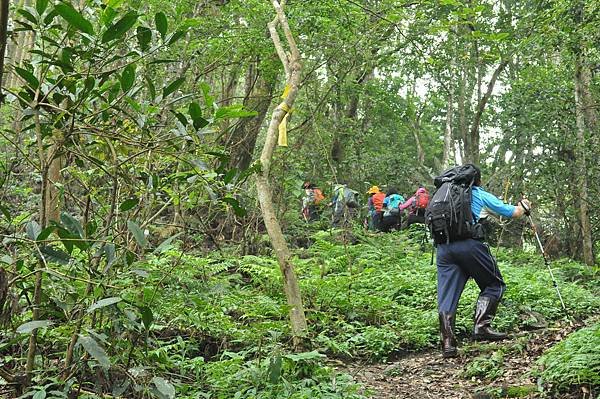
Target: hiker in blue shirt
column 391, row 210
column 459, row 260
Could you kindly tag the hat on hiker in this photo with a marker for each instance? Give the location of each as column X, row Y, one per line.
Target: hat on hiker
column 373, row 190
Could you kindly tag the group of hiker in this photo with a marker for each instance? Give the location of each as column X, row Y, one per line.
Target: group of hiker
column 453, row 215
column 384, row 209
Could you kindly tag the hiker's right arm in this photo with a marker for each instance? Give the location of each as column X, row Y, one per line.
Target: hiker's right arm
column 520, row 209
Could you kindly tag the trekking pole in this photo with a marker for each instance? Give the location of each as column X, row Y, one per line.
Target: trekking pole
column 545, row 256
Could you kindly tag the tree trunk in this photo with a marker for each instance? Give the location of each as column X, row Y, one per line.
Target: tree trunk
column 462, row 116
column 3, row 40
column 259, row 91
column 448, row 134
column 581, row 91
column 291, row 64
column 474, row 131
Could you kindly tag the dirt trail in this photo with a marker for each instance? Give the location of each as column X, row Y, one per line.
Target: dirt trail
column 482, row 370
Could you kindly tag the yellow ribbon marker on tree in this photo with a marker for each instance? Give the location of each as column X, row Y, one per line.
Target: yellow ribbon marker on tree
column 282, row 139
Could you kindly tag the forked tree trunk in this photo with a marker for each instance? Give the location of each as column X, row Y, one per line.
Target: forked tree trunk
column 291, row 64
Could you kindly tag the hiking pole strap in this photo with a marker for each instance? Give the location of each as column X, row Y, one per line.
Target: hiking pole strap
column 527, row 210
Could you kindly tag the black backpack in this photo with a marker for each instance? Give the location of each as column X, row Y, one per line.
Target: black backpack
column 448, row 215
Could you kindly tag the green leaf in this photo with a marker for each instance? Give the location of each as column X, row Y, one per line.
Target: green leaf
column 33, row 230
column 165, row 389
column 165, row 244
column 45, row 233
column 174, row 85
column 74, row 18
column 28, row 16
column 208, row 99
column 180, row 117
column 40, row 6
column 119, row 28
column 275, row 369
column 5, row 212
column 104, row 302
column 96, row 351
column 109, row 250
column 32, row 325
column 147, row 316
column 151, row 87
column 160, row 19
column 237, row 209
column 296, row 357
column 39, row 395
column 234, row 111
column 138, row 234
column 144, row 37
column 127, row 77
column 55, row 255
column 72, row 224
column 28, row 77
column 176, row 36
column 196, row 114
column 128, row 204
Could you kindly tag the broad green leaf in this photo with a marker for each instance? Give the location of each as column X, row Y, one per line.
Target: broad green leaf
column 33, row 230
column 45, row 233
column 275, row 369
column 127, row 78
column 39, row 395
column 104, row 302
column 55, row 255
column 32, row 325
column 28, row 16
column 144, row 37
column 176, row 36
column 28, row 77
column 147, row 317
column 237, row 209
column 296, row 357
column 96, row 351
column 7, row 259
column 174, row 85
column 109, row 250
column 138, row 234
column 233, row 111
column 40, row 6
column 120, row 28
column 128, row 204
column 5, row 212
column 151, row 87
column 74, row 18
column 196, row 114
column 180, row 117
column 165, row 244
column 72, row 224
column 165, row 389
column 208, row 99
column 160, row 19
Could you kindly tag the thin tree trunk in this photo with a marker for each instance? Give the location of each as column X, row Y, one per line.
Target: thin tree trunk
column 448, row 133
column 462, row 116
column 580, row 115
column 292, row 66
column 474, row 131
column 3, row 39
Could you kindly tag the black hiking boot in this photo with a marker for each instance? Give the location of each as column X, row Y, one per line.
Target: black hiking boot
column 447, row 333
column 484, row 314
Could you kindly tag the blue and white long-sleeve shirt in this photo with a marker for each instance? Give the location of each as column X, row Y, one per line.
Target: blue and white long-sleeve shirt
column 482, row 199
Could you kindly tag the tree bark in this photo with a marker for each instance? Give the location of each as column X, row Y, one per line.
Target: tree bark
column 292, row 66
column 448, row 133
column 3, row 40
column 242, row 142
column 474, row 131
column 581, row 91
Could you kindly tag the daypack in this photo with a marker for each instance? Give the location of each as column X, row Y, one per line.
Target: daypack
column 347, row 196
column 393, row 203
column 351, row 198
column 422, row 200
column 378, row 201
column 448, row 214
column 318, row 196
